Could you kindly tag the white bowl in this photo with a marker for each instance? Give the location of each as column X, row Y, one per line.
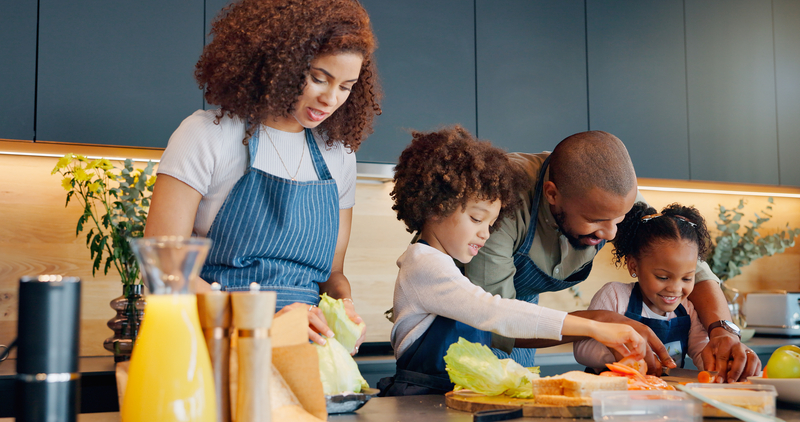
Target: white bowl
column 788, row 388
column 747, row 334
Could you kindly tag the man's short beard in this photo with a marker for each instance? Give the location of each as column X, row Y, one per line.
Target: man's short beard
column 574, row 240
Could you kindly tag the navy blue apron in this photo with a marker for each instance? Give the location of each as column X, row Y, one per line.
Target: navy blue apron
column 673, row 333
column 421, row 368
column 530, row 280
column 277, row 232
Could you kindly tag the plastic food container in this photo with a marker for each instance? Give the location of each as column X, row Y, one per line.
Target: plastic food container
column 641, row 406
column 755, row 397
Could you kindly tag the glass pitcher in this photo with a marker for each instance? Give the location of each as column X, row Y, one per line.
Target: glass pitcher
column 170, row 377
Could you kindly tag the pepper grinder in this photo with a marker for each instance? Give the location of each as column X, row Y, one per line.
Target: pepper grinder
column 215, row 319
column 252, row 317
column 48, row 381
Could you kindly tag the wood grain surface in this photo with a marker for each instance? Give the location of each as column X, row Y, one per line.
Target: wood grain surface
column 476, row 403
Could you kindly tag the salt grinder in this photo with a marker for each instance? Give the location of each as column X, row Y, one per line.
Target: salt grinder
column 48, row 381
column 215, row 319
column 252, row 318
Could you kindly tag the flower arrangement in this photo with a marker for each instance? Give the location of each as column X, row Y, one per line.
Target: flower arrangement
column 731, row 250
column 115, row 204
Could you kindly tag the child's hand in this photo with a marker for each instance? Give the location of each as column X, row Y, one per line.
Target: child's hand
column 622, row 338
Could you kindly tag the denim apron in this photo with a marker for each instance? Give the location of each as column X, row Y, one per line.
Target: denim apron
column 530, row 280
column 421, row 368
column 673, row 333
column 277, row 232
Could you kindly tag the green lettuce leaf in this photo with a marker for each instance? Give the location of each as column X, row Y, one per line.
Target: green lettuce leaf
column 346, row 331
column 473, row 366
column 337, row 369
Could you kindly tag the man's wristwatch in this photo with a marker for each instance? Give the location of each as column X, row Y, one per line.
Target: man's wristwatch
column 727, row 325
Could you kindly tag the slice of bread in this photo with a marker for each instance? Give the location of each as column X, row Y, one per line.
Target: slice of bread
column 563, row 400
column 576, row 384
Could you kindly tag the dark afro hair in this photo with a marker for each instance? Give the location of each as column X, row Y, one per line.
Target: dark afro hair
column 257, row 63
column 676, row 222
column 441, row 171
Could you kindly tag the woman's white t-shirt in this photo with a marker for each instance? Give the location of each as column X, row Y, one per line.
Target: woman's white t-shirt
column 210, row 158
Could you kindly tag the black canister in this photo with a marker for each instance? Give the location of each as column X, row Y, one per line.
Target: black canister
column 48, row 381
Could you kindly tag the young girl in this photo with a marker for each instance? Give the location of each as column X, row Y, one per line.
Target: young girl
column 452, row 189
column 660, row 250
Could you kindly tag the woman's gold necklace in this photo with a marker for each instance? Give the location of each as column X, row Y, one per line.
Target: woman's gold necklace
column 302, row 154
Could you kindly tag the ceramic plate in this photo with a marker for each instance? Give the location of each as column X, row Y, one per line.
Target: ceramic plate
column 788, row 388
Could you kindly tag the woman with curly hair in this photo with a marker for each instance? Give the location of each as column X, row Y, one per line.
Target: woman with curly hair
column 453, row 190
column 270, row 174
column 661, row 251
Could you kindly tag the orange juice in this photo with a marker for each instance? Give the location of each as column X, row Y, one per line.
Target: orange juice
column 170, row 376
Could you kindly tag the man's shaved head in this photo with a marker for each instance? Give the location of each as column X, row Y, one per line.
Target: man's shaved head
column 592, row 159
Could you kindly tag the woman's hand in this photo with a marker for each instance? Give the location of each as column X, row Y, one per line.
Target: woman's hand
column 316, row 322
column 350, row 309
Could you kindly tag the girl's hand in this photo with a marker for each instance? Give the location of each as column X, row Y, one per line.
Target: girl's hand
column 316, row 322
column 621, row 338
column 350, row 309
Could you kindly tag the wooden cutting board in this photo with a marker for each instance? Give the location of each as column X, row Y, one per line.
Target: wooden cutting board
column 474, row 402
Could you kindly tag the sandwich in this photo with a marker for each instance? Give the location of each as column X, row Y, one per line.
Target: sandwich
column 573, row 388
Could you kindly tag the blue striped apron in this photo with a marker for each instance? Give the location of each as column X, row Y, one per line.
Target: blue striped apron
column 530, row 280
column 277, row 232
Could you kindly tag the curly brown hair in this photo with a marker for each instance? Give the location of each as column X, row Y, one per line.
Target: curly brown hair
column 441, row 171
column 256, row 65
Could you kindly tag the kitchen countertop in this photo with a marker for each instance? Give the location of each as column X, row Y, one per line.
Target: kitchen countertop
column 419, row 408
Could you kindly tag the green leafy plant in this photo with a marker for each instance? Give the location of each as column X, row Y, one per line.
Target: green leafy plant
column 732, row 250
column 115, row 204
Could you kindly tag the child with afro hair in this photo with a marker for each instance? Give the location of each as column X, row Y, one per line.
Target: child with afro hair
column 452, row 190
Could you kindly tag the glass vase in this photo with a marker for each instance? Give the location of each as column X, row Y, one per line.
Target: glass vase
column 129, row 313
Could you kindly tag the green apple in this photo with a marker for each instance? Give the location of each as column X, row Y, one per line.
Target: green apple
column 784, row 362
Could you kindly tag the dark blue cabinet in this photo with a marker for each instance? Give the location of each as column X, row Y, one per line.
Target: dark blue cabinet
column 531, row 72
column 426, row 63
column 117, row 73
column 787, row 73
column 731, row 91
column 17, row 69
column 637, row 81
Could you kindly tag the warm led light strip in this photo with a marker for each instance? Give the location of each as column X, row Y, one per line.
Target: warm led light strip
column 719, row 191
column 93, row 157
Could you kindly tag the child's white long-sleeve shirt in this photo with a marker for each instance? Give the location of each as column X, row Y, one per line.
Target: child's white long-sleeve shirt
column 615, row 296
column 429, row 284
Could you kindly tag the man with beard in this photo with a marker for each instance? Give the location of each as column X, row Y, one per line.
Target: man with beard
column 579, row 193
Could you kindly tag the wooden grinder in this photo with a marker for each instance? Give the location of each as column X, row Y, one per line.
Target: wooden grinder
column 252, row 317
column 214, row 309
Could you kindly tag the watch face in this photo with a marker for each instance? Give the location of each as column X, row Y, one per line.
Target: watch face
column 730, row 326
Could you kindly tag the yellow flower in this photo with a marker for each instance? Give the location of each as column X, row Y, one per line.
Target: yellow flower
column 93, row 164
column 81, row 175
column 151, row 181
column 81, row 158
column 66, row 183
column 111, row 176
column 105, row 164
column 95, row 187
column 63, row 162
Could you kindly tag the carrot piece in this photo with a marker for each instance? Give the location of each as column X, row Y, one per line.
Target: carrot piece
column 626, row 370
column 764, row 374
column 705, row 377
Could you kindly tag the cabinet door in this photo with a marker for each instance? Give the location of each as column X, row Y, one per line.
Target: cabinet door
column 787, row 72
column 637, row 81
column 17, row 69
column 531, row 72
column 731, row 91
column 426, row 63
column 118, row 73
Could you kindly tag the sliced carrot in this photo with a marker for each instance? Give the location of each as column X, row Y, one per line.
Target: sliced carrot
column 764, row 374
column 626, row 370
column 705, row 377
